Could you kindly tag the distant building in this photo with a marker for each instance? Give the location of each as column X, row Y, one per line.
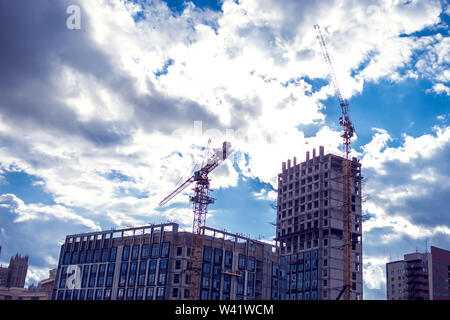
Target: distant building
column 153, row 263
column 15, row 274
column 45, row 286
column 419, row 276
column 18, row 267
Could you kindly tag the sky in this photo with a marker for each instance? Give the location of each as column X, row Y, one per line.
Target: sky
column 99, row 123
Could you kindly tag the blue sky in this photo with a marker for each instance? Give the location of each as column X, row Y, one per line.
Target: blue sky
column 98, row 125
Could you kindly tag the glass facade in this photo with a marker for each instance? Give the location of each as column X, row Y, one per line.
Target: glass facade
column 302, row 275
column 135, row 270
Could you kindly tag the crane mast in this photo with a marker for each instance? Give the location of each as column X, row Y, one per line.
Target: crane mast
column 200, row 201
column 347, row 133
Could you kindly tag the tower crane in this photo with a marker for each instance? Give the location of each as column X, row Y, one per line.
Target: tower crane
column 347, row 133
column 200, row 201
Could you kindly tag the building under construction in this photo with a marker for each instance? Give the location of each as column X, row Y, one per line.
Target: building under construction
column 153, row 263
column 311, row 226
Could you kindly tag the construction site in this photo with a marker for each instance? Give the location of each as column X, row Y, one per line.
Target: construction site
column 316, row 253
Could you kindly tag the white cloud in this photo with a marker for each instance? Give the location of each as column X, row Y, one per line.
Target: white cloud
column 35, row 274
column 29, row 212
column 234, row 72
column 265, row 194
column 440, row 88
column 373, row 272
column 400, row 177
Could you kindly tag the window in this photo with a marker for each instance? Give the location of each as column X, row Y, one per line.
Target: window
column 205, row 282
column 206, row 269
column 123, row 274
column 204, row 295
column 179, row 251
column 207, row 252
column 96, row 256
column 216, row 283
column 142, row 270
column 144, row 251
column 178, row 264
column 104, row 257
column 60, row 295
column 218, row 256
column 107, row 294
column 215, row 296
column 81, row 257
column 68, row 295
column 139, row 293
column 62, row 281
column 112, row 254
column 74, row 257
column 126, row 253
column 151, row 272
column 251, row 263
column 226, row 283
column 110, row 275
column 206, row 274
column 66, row 258
column 130, row 293
column 84, row 279
column 90, row 294
column 98, row 294
column 250, row 284
column 162, row 272
column 155, row 250
column 176, row 278
column 93, row 275
column 241, row 262
column 135, row 252
column 160, row 293
column 101, row 275
column 132, row 275
column 240, row 286
column 165, row 250
column 175, row 293
column 149, row 294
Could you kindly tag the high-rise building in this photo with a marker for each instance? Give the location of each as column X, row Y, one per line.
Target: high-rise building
column 310, row 226
column 17, row 273
column 419, row 276
column 153, row 263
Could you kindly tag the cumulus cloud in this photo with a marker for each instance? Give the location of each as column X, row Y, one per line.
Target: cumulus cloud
column 373, row 272
column 440, row 88
column 42, row 212
column 408, row 184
